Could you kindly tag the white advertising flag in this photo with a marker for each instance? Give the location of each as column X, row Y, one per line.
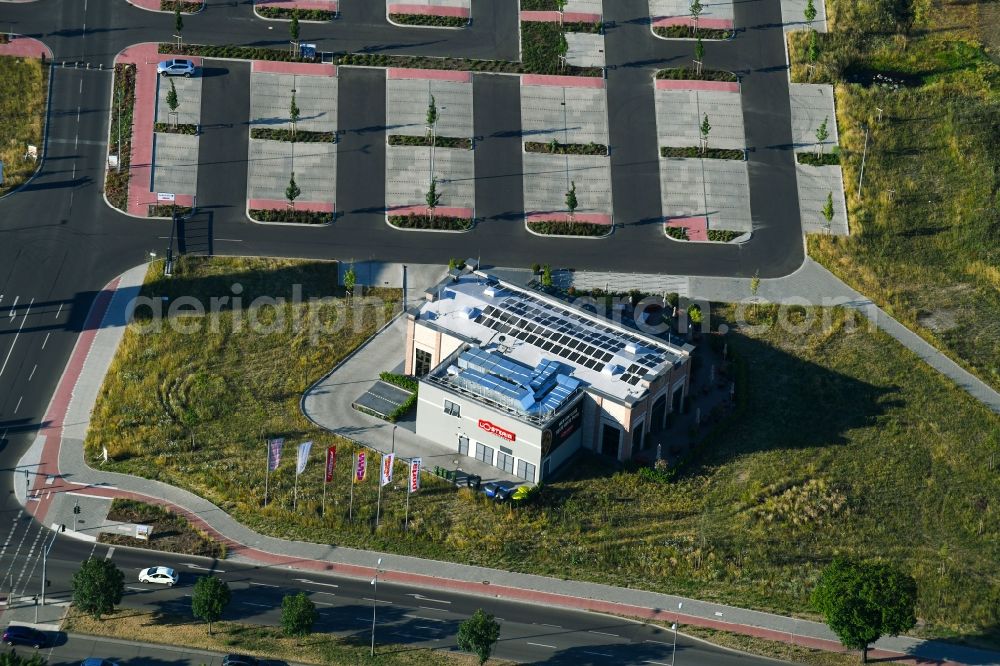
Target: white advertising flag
column 300, row 463
column 387, row 461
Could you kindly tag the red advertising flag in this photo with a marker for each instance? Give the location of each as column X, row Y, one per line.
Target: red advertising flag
column 361, row 471
column 415, row 475
column 331, row 462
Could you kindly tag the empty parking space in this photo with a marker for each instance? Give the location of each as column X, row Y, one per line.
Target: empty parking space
column 188, row 99
column 175, row 160
column 547, row 178
column 812, row 103
column 408, row 176
column 815, row 185
column 585, row 49
column 315, row 96
column 407, row 101
column 568, row 115
column 272, row 163
column 680, row 113
column 715, row 14
column 715, row 189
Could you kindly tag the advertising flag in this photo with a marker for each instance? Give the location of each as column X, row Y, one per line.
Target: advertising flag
column 387, row 461
column 275, row 458
column 331, row 462
column 414, row 475
column 300, row 463
column 361, row 471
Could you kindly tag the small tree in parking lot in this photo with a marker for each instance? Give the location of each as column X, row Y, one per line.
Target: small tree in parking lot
column 293, row 191
column 293, row 30
column 209, row 600
column 98, row 587
column 704, row 128
column 173, row 103
column 571, row 202
column 810, row 12
column 298, row 614
column 479, row 634
column 822, row 134
column 827, row 210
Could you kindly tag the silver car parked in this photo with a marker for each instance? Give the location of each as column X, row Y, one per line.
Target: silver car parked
column 175, row 67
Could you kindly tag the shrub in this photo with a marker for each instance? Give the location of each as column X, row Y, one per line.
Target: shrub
column 709, row 153
column 677, row 233
column 430, row 20
column 299, row 136
column 288, row 12
column 565, row 148
column 439, row 141
column 290, row 215
column 825, row 159
column 180, row 128
column 684, row 32
column 438, row 223
column 689, row 74
column 561, row 228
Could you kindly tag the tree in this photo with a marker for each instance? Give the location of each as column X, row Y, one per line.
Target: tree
column 810, row 12
column 293, row 29
column 432, row 115
column 292, row 192
column 178, row 19
column 828, row 209
column 479, row 634
column 432, row 198
column 696, row 9
column 704, row 128
column 754, row 288
column 571, row 202
column 553, row 146
column 350, row 279
column 293, row 114
column 172, row 102
column 98, row 587
column 563, row 49
column 546, row 276
column 561, row 6
column 821, row 135
column 298, row 614
column 863, row 602
column 699, row 54
column 812, row 52
column 209, row 599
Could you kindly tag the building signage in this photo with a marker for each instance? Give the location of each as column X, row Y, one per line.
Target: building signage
column 165, row 197
column 497, row 430
column 563, row 429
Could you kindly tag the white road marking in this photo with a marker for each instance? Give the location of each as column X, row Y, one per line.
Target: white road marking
column 649, row 640
column 32, row 372
column 437, row 610
column 137, row 589
column 250, row 603
column 603, row 633
column 553, row 647
column 46, row 340
column 373, row 601
column 59, row 310
column 264, row 584
column 554, row 626
column 599, row 654
column 18, row 405
column 110, row 554
column 658, row 663
column 323, row 603
column 312, row 582
column 425, row 619
column 420, row 597
column 24, row 319
column 196, row 566
column 13, row 308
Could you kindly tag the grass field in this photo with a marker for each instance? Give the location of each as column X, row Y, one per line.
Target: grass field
column 849, row 445
column 925, row 240
column 262, row 642
column 23, row 90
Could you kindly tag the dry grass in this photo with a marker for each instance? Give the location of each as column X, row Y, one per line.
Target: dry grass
column 262, row 642
column 23, row 86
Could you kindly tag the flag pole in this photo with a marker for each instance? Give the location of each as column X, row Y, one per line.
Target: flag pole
column 295, row 496
column 378, row 506
column 354, row 472
column 323, row 512
column 409, row 489
column 267, row 467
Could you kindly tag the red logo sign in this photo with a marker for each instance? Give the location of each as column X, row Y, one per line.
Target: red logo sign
column 497, row 430
column 331, row 461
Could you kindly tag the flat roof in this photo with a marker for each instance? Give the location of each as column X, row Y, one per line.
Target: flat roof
column 531, row 328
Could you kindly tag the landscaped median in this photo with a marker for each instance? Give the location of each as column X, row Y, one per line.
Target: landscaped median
column 318, row 11
column 567, row 224
column 186, row 6
column 422, row 218
column 170, row 532
column 24, row 84
column 430, row 13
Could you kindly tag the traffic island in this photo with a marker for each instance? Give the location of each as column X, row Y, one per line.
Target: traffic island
column 430, row 13
column 430, row 164
column 175, row 139
column 168, row 531
column 307, row 11
column 586, row 225
column 24, row 84
column 672, row 19
column 292, row 170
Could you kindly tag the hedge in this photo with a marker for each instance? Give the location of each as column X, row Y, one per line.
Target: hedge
column 300, row 136
column 677, row 233
column 116, row 180
column 405, row 382
column 290, row 215
column 186, row 7
column 233, row 51
column 430, row 20
column 566, row 148
column 695, row 151
column 180, row 128
column 689, row 74
column 823, row 159
column 161, row 210
column 439, row 223
column 440, row 142
column 288, row 12
column 723, row 235
column 560, row 228
column 684, row 31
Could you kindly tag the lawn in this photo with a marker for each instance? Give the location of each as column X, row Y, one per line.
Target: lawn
column 848, row 444
column 262, row 642
column 925, row 240
column 23, row 90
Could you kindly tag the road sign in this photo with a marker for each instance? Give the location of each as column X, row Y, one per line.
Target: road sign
column 142, row 532
column 165, row 196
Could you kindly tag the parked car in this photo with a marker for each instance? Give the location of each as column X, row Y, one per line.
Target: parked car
column 239, row 660
column 161, row 575
column 499, row 490
column 97, row 661
column 175, row 67
column 16, row 634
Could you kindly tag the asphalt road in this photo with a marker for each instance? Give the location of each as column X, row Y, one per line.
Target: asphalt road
column 404, row 615
column 60, row 243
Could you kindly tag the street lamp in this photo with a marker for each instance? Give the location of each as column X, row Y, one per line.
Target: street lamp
column 673, row 651
column 375, row 602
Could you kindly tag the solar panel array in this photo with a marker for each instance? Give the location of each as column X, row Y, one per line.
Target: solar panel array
column 569, row 335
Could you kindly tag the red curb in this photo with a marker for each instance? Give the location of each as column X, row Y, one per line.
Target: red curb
column 697, row 227
column 710, row 23
column 553, row 17
column 684, row 84
column 25, row 47
column 440, row 211
column 429, row 10
column 314, row 206
column 325, row 5
column 435, row 74
column 301, row 68
column 562, row 81
column 590, row 218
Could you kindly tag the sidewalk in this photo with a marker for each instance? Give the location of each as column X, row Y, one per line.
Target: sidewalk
column 57, row 457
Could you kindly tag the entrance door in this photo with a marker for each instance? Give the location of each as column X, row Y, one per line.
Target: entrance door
column 659, row 413
column 610, row 437
column 676, row 403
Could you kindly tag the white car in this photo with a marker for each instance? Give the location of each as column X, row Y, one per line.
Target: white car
column 162, row 575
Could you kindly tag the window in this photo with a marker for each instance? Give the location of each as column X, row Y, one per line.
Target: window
column 452, row 409
column 421, row 363
column 505, row 462
column 484, row 453
column 463, row 445
column 526, row 471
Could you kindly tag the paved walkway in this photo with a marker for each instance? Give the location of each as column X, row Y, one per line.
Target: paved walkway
column 57, row 457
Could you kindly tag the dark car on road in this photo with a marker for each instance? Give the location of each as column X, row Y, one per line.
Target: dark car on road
column 15, row 634
column 239, row 660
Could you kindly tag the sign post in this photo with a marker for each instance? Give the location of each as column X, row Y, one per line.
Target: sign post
column 331, row 462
